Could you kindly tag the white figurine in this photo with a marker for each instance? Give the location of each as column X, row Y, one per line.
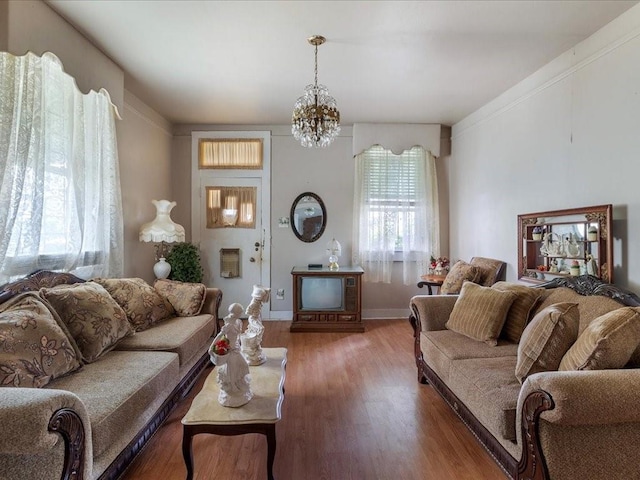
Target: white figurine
column 251, row 339
column 233, row 370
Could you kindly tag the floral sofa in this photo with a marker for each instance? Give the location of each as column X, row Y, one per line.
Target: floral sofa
column 89, row 370
column 546, row 378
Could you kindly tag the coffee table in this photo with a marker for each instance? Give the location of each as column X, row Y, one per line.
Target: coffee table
column 260, row 415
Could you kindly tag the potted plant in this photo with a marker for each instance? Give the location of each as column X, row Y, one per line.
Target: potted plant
column 536, row 234
column 186, row 266
column 592, row 233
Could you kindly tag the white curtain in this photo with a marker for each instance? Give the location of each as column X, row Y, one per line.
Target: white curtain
column 60, row 200
column 395, row 208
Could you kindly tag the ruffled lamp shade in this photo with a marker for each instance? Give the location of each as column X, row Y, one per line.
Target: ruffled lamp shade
column 163, row 230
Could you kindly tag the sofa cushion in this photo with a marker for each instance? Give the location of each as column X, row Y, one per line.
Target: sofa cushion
column 182, row 335
column 488, row 387
column 590, row 307
column 441, row 347
column 35, row 346
column 92, row 316
column 480, row 312
column 546, row 339
column 459, row 273
column 607, row 342
column 121, row 392
column 520, row 311
column 143, row 305
column 186, row 298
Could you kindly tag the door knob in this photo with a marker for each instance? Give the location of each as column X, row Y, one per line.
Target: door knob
column 252, row 259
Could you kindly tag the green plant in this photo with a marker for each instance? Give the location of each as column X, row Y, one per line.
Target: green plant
column 186, row 266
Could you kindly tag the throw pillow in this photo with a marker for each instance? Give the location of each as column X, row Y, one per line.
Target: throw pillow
column 546, row 339
column 518, row 315
column 143, row 305
column 186, row 298
column 34, row 347
column 92, row 316
column 607, row 342
column 459, row 273
column 480, row 312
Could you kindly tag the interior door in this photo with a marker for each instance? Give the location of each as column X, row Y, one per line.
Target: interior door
column 232, row 254
column 235, row 255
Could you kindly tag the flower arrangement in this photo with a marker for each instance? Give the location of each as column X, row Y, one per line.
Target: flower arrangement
column 443, row 261
column 221, row 346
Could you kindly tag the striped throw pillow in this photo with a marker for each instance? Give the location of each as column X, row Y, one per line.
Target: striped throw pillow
column 518, row 315
column 546, row 339
column 607, row 342
column 480, row 312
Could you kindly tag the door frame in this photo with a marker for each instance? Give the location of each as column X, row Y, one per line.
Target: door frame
column 197, row 175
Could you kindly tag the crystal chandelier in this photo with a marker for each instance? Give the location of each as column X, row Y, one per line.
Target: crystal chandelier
column 316, row 120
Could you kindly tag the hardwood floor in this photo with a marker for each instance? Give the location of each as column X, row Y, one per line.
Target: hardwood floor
column 353, row 410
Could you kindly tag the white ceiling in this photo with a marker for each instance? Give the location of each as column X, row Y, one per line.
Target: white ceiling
column 246, row 62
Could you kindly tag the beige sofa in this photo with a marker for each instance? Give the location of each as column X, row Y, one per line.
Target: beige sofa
column 559, row 425
column 90, row 423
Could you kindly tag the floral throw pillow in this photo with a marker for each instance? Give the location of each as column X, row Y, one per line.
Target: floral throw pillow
column 34, row 347
column 93, row 317
column 459, row 273
column 186, row 298
column 143, row 305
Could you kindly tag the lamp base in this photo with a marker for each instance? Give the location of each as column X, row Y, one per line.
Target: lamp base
column 162, row 269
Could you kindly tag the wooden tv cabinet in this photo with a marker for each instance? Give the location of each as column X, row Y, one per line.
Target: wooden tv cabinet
column 346, row 319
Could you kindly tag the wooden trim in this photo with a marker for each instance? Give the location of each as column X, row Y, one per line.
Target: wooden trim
column 532, row 465
column 69, row 425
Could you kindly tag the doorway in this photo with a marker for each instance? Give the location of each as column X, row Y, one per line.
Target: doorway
column 230, row 220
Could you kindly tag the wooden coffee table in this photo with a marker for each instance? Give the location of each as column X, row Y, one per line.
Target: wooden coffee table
column 260, row 415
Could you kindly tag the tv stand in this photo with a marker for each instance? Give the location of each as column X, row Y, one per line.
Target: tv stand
column 346, row 318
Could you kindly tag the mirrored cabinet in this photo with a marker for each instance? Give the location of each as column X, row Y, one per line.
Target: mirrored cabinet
column 568, row 242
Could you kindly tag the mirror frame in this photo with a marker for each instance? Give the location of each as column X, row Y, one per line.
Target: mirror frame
column 292, row 219
column 600, row 215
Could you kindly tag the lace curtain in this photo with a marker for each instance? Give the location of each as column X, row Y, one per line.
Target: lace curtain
column 60, row 200
column 395, row 210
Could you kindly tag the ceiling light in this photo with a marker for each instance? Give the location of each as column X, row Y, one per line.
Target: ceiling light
column 316, row 120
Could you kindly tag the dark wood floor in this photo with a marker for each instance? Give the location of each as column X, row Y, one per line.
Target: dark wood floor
column 353, row 411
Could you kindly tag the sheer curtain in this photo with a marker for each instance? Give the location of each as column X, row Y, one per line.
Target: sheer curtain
column 60, row 200
column 395, row 210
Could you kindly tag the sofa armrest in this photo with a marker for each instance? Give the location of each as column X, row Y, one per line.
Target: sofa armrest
column 212, row 302
column 36, row 421
column 595, row 397
column 432, row 311
column 567, row 420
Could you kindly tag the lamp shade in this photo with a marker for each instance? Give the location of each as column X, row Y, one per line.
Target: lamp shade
column 162, row 228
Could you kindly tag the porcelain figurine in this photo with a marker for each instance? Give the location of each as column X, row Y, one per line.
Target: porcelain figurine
column 251, row 339
column 233, row 370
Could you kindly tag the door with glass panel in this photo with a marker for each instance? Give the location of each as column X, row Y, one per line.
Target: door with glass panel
column 230, row 216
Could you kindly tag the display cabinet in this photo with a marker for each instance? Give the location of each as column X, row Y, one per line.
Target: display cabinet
column 575, row 241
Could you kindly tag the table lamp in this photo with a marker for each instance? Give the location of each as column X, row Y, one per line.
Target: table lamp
column 334, row 249
column 163, row 230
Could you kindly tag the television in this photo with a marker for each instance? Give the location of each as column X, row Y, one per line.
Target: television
column 321, row 293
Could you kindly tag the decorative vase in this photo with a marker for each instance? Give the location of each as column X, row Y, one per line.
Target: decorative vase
column 536, row 236
column 162, row 269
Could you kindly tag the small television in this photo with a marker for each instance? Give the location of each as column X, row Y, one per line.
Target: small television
column 321, row 293
column 330, row 293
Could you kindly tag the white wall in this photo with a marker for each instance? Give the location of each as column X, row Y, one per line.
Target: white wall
column 329, row 173
column 567, row 136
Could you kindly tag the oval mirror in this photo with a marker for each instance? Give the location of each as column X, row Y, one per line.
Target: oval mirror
column 308, row 217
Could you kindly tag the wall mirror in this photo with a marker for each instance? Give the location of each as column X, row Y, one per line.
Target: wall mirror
column 308, row 217
column 560, row 243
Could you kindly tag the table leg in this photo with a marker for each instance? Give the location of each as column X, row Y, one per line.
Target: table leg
column 187, row 451
column 425, row 284
column 271, row 449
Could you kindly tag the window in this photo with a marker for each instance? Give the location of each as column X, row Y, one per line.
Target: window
column 230, row 153
column 60, row 201
column 395, row 212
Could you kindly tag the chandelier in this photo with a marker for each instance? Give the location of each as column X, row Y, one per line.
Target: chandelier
column 316, row 120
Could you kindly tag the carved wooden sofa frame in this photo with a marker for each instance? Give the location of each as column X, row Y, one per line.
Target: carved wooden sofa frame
column 67, row 423
column 532, row 465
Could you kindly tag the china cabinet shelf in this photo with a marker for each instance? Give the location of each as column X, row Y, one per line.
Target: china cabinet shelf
column 579, row 237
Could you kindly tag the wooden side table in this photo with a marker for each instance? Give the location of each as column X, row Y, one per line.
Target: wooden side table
column 431, row 281
column 260, row 415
